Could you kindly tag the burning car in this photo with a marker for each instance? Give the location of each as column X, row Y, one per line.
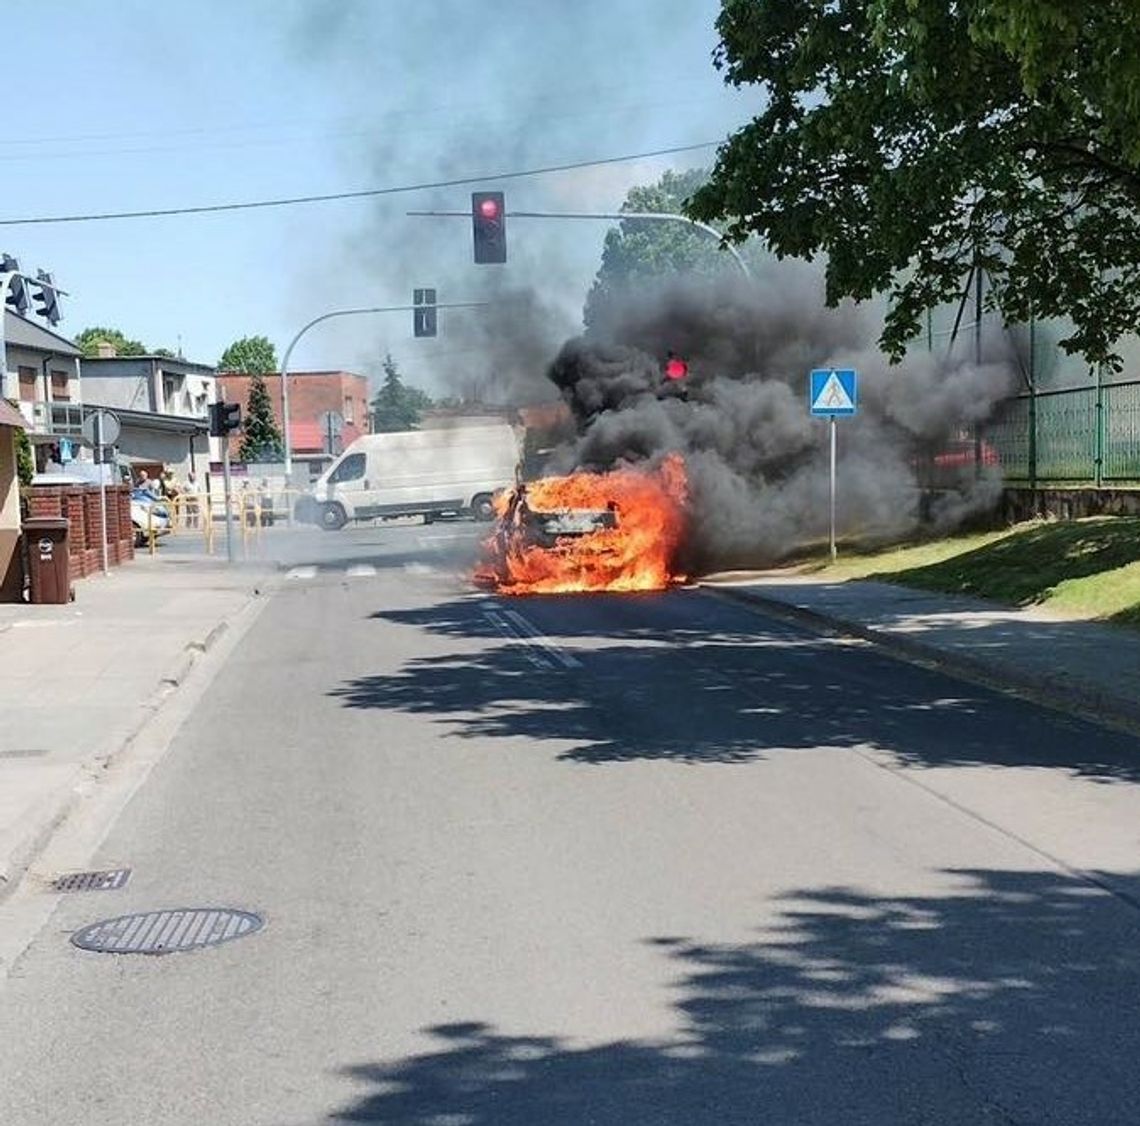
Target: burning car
column 616, row 531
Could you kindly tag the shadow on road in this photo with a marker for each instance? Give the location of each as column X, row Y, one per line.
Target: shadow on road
column 1009, row 999
column 684, row 678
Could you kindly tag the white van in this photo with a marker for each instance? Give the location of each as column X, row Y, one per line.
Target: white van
column 453, row 470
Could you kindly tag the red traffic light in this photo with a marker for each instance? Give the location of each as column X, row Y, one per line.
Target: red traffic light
column 676, row 368
column 489, row 223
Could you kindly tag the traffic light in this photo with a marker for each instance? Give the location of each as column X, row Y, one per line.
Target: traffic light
column 17, row 297
column 489, row 222
column 675, row 367
column 224, row 417
column 424, row 314
column 46, row 298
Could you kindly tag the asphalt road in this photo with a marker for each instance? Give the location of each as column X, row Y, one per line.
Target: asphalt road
column 604, row 860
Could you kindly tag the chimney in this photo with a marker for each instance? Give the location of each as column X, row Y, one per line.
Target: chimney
column 105, row 350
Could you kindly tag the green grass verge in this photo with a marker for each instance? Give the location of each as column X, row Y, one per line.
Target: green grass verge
column 1084, row 568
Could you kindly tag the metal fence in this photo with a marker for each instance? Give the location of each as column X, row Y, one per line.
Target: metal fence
column 1076, row 435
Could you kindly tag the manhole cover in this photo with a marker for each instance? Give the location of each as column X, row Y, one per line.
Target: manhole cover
column 165, row 932
column 92, row 881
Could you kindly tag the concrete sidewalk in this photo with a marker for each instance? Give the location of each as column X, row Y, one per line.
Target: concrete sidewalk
column 78, row 682
column 1077, row 666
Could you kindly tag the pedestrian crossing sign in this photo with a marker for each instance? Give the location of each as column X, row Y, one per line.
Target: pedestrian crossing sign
column 834, row 391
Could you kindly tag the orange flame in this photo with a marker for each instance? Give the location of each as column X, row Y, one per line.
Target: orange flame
column 636, row 554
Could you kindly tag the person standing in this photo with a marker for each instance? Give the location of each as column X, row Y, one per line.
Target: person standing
column 191, row 492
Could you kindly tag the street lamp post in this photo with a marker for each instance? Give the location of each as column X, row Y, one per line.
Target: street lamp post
column 326, row 317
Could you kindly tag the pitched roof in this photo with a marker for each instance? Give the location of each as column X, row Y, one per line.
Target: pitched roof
column 28, row 334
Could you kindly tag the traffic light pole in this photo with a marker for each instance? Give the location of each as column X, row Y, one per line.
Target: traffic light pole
column 229, row 507
column 326, row 317
column 655, row 216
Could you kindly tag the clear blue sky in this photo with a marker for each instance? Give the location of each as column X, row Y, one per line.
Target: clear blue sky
column 133, row 104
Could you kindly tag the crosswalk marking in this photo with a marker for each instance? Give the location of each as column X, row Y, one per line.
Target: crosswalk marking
column 365, row 571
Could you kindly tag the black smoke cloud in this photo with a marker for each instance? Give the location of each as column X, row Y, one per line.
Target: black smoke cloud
column 758, row 462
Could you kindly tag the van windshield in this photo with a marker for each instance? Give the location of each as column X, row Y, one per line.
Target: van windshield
column 351, row 469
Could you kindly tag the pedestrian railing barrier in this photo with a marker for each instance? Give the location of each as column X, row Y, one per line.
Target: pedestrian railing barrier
column 205, row 514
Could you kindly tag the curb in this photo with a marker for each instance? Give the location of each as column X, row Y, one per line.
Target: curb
column 1087, row 702
column 45, row 819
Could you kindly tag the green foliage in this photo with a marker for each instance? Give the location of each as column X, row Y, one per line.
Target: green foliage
column 251, row 355
column 638, row 250
column 396, row 406
column 25, row 458
column 909, row 139
column 1089, row 567
column 89, row 339
column 262, row 440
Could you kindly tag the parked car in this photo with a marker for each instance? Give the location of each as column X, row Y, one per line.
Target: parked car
column 147, row 514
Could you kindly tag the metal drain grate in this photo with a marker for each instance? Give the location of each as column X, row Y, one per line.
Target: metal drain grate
column 166, row 932
column 92, row 881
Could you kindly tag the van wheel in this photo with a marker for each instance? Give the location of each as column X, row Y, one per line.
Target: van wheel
column 483, row 507
column 333, row 517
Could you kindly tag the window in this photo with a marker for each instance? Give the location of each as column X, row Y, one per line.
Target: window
column 60, row 391
column 348, row 411
column 351, row 469
column 27, row 385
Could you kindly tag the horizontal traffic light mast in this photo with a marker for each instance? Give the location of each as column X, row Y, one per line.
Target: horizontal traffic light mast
column 14, row 290
column 652, row 216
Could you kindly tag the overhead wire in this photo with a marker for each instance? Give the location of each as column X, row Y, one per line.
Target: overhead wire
column 365, row 193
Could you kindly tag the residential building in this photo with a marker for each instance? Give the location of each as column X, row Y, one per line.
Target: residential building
column 312, row 396
column 162, row 403
column 41, row 374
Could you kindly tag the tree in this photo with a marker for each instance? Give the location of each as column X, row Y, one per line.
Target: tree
column 90, row 338
column 641, row 249
column 252, row 355
column 396, row 406
column 262, row 439
column 912, row 140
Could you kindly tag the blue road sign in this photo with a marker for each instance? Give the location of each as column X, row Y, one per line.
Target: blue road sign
column 834, row 392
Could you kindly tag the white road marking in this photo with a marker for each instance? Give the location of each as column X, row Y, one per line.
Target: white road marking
column 361, row 571
column 302, row 573
column 427, row 541
column 540, row 650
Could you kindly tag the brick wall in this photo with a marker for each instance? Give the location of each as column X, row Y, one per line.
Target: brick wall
column 81, row 506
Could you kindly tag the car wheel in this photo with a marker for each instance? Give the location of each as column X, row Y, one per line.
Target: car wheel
column 333, row 517
column 483, row 507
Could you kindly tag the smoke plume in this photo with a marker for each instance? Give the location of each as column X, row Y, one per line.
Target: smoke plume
column 758, row 462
